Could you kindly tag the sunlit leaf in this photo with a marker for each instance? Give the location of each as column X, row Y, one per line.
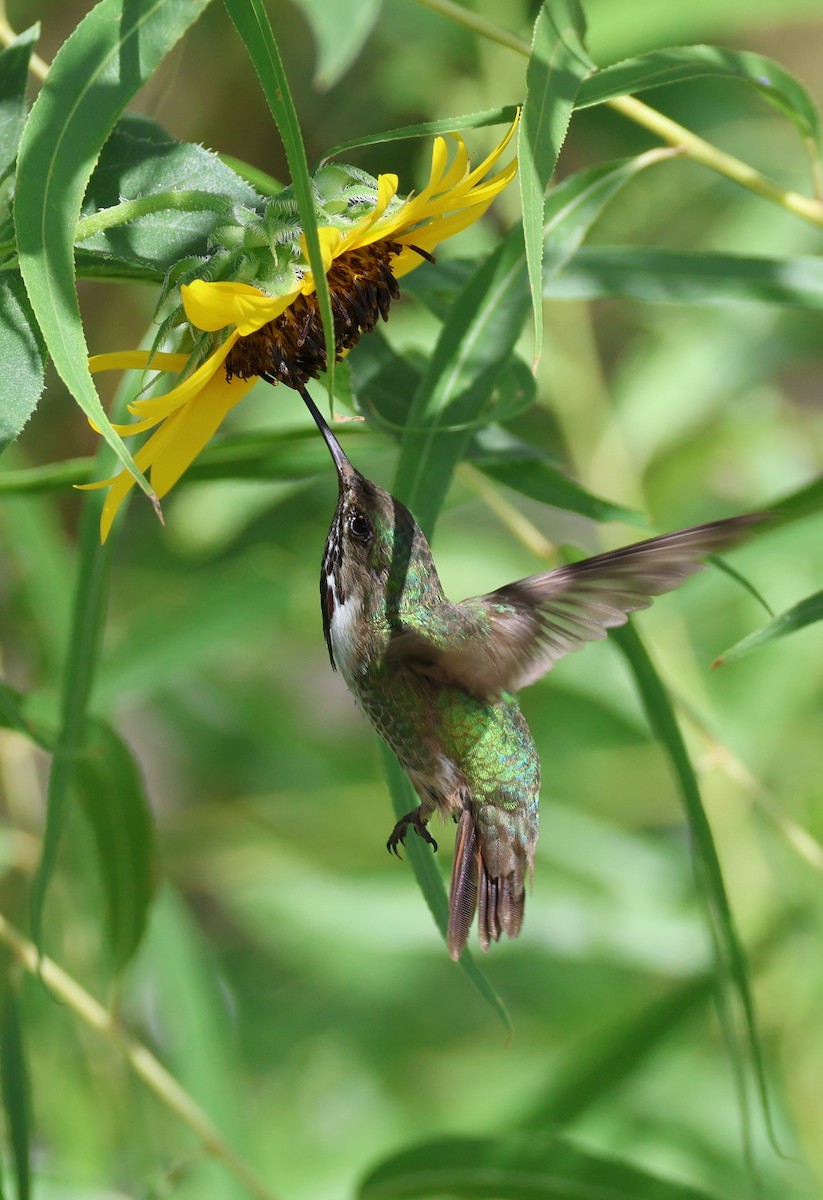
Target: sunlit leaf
column 22, row 357
column 255, row 29
column 477, row 120
column 141, row 159
column 109, row 56
column 557, row 64
column 14, row 75
column 472, row 349
column 677, row 64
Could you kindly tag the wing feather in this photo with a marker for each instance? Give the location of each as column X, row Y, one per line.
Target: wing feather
column 510, row 637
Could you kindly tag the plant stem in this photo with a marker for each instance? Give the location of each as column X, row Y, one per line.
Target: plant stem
column 139, row 1058
column 130, row 210
column 694, row 147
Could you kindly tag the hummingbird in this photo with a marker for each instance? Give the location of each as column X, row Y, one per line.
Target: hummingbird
column 438, row 680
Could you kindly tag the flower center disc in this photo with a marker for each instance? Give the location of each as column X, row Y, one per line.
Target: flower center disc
column 291, row 349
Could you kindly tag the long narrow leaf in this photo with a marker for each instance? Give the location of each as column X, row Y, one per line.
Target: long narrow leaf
column 88, row 617
column 557, row 65
column 86, row 633
column 732, row 960
column 109, row 56
column 517, row 1168
column 14, row 74
column 254, row 27
column 677, row 64
column 16, row 1089
column 688, row 277
column 113, row 798
column 22, row 357
column 474, row 345
column 478, row 120
column 805, row 612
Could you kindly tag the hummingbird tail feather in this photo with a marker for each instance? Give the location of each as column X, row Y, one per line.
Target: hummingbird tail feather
column 500, row 906
column 463, row 890
column 499, row 900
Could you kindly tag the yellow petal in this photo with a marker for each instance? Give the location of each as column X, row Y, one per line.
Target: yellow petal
column 213, row 306
column 182, row 438
column 136, row 360
column 483, row 167
column 370, row 228
column 158, row 407
column 175, row 445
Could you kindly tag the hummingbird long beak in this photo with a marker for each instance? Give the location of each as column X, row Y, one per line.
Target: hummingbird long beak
column 345, row 471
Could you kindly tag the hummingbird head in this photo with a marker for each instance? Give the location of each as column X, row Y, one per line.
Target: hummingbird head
column 377, row 559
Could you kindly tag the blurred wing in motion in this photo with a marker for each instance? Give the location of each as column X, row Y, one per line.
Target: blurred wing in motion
column 509, row 638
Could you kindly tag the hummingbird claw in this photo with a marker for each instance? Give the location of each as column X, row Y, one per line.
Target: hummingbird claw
column 397, row 837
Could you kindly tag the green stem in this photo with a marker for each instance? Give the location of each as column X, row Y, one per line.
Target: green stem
column 694, row 147
column 139, row 1058
column 130, row 210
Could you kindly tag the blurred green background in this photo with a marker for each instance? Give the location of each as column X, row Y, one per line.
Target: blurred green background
column 292, row 978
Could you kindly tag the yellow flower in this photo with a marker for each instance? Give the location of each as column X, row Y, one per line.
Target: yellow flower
column 279, row 338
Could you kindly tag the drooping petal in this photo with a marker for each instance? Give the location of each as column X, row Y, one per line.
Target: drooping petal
column 185, row 434
column 137, row 360
column 173, row 448
column 213, row 306
column 158, row 407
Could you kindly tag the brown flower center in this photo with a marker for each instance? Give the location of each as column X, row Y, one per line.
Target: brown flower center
column 290, row 349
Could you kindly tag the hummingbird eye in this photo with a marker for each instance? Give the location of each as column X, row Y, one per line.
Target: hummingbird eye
column 360, row 527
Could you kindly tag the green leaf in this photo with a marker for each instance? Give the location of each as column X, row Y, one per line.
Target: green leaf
column 548, row 1167
column 677, row 64
column 429, row 879
column 252, row 22
column 530, row 471
column 14, row 75
column 805, row 612
column 474, row 345
column 89, row 600
column 685, row 277
column 14, row 1078
column 112, row 796
column 557, row 64
column 22, row 357
column 108, row 57
column 478, row 120
column 141, row 159
column 341, row 29
column 728, row 948
column 573, row 206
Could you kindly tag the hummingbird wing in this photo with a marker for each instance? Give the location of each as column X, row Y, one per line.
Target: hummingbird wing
column 510, row 637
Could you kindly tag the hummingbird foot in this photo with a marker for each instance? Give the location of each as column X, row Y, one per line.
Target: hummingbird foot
column 398, row 834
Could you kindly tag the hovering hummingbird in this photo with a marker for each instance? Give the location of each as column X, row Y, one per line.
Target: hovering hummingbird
column 437, row 679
